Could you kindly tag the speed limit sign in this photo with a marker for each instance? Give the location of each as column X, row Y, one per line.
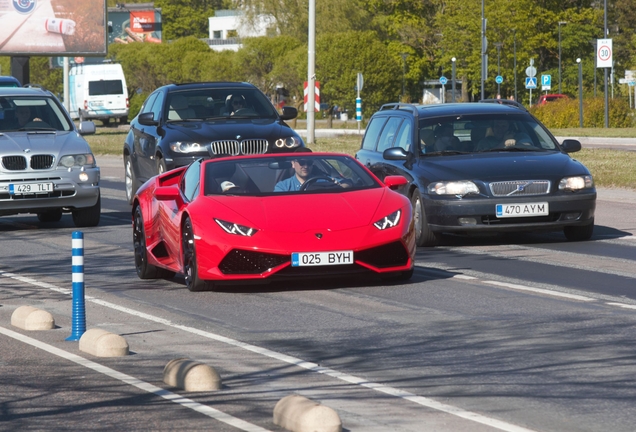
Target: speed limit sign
column 603, row 53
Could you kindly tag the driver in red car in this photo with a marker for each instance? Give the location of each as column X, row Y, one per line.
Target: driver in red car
column 302, row 172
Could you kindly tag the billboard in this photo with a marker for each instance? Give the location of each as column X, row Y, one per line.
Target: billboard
column 53, row 27
column 135, row 24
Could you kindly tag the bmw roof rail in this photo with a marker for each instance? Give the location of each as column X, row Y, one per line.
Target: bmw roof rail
column 505, row 102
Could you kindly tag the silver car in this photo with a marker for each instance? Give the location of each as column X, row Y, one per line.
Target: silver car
column 46, row 166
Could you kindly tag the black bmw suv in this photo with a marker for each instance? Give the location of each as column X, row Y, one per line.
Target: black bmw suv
column 179, row 123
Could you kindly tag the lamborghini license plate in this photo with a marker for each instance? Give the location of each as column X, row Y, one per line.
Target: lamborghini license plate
column 300, row 259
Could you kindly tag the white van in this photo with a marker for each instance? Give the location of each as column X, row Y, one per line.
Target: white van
column 98, row 91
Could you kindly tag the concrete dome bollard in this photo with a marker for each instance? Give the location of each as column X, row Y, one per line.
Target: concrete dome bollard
column 191, row 376
column 299, row 414
column 30, row 318
column 101, row 343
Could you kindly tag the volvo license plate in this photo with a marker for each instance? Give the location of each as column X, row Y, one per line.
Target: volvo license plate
column 300, row 259
column 522, row 210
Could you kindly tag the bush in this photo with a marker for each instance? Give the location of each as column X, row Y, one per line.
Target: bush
column 564, row 113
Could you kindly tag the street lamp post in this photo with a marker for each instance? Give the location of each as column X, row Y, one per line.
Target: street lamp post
column 484, row 58
column 498, row 45
column 578, row 60
column 560, row 23
column 514, row 41
column 453, row 78
column 404, row 56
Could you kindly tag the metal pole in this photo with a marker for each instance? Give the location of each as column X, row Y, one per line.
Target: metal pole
column 483, row 48
column 404, row 56
column 605, row 69
column 498, row 45
column 66, row 89
column 559, row 25
column 453, row 77
column 311, row 73
column 514, row 38
column 578, row 60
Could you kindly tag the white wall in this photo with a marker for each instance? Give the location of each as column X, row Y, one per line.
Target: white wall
column 231, row 21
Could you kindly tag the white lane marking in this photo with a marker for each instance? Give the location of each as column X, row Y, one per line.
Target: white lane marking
column 132, row 381
column 622, row 305
column 420, row 400
column 539, row 290
column 464, row 277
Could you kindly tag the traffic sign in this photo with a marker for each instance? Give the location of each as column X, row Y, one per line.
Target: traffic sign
column 531, row 82
column 443, row 80
column 499, row 79
column 531, row 71
column 359, row 81
column 632, row 83
column 546, row 82
column 603, row 53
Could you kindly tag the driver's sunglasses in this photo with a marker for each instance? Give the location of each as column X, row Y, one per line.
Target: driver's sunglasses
column 305, row 162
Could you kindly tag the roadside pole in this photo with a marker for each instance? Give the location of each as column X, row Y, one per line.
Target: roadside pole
column 359, row 84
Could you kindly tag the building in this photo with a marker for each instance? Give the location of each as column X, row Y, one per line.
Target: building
column 227, row 28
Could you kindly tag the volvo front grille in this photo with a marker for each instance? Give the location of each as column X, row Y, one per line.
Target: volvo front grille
column 520, row 188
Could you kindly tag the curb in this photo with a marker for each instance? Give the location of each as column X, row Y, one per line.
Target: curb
column 30, row 318
column 101, row 343
column 299, row 414
column 189, row 375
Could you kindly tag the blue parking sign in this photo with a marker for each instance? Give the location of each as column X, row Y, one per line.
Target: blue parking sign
column 546, row 80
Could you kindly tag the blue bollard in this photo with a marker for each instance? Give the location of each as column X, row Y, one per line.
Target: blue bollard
column 79, row 304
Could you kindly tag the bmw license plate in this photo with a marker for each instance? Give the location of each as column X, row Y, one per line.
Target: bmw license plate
column 30, row 188
column 522, row 210
column 300, row 259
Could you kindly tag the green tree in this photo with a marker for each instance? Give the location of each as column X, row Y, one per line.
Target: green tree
column 257, row 58
column 182, row 18
column 339, row 58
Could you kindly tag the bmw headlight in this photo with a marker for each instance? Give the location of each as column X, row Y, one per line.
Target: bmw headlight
column 458, row 188
column 576, row 183
column 388, row 221
column 232, row 228
column 287, row 142
column 78, row 160
column 187, row 147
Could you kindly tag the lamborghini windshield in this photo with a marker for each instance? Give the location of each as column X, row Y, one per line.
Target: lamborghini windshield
column 292, row 174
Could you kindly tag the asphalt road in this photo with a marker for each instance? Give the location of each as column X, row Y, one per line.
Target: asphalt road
column 513, row 333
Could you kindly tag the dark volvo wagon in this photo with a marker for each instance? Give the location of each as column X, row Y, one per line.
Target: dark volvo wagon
column 480, row 167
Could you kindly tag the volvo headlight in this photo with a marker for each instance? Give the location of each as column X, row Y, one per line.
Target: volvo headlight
column 388, row 221
column 288, row 142
column 187, row 147
column 79, row 160
column 458, row 188
column 232, row 228
column 576, row 183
